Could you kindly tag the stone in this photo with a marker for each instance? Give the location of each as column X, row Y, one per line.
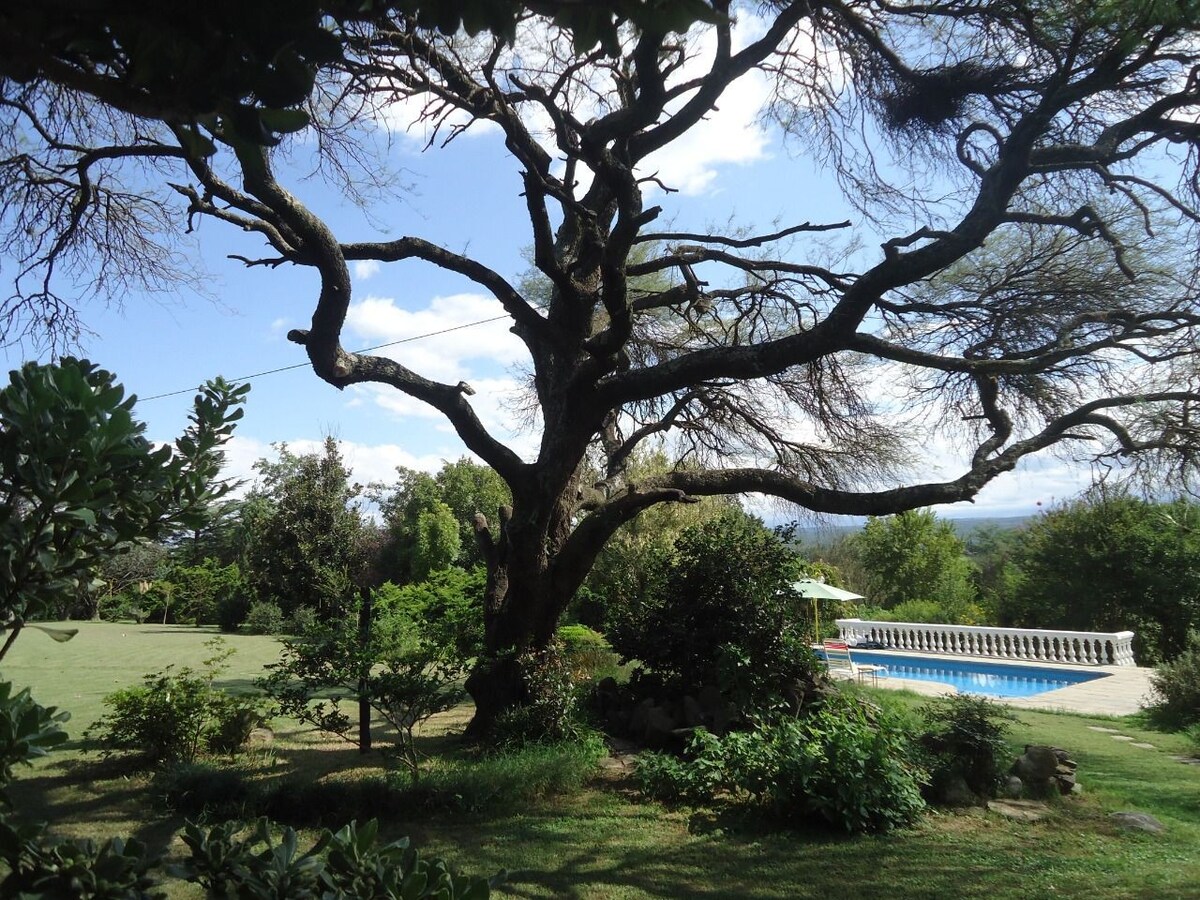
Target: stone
column 261, row 735
column 659, row 730
column 1013, row 787
column 1142, row 745
column 1036, row 764
column 1121, row 737
column 1020, row 810
column 709, row 697
column 1136, row 821
column 637, row 720
column 1102, row 729
column 953, row 791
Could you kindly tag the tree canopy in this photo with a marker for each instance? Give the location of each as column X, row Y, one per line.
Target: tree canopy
column 1012, row 167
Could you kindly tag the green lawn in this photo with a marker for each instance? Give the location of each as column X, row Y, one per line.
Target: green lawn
column 604, row 842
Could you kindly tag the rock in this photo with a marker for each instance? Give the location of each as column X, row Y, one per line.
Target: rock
column 660, row 727
column 1013, row 787
column 1136, row 821
column 1036, row 764
column 953, row 791
column 709, row 697
column 693, row 712
column 1019, row 810
column 1142, row 745
column 261, row 735
column 1102, row 729
column 637, row 720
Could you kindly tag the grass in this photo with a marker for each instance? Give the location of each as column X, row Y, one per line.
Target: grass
column 600, row 841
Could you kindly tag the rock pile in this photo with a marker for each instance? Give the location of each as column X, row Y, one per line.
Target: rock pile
column 1044, row 770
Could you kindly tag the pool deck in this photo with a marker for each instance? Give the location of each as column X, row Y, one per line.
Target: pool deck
column 1122, row 693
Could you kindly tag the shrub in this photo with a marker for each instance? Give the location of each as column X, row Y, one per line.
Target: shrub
column 726, row 591
column 587, row 653
column 550, row 712
column 965, row 738
column 201, row 789
column 847, row 764
column 302, row 620
column 230, row 860
column 507, row 779
column 264, row 617
column 1176, row 687
column 176, row 714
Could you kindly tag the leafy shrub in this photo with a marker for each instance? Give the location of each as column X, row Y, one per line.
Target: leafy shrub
column 846, row 764
column 302, row 620
column 965, row 738
column 1176, row 687
column 404, row 685
column 550, row 712
column 694, row 780
column 727, row 587
column 230, row 861
column 447, row 608
column 264, row 617
column 587, row 653
column 176, row 714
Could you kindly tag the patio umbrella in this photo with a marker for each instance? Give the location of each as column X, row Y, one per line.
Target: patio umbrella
column 814, row 590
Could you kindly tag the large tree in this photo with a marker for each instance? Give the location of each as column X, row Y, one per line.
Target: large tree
column 783, row 363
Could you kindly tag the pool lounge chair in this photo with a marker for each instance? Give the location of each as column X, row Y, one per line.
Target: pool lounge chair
column 839, row 661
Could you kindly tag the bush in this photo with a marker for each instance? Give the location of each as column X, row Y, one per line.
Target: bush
column 302, row 620
column 550, row 712
column 722, row 614
column 965, row 738
column 264, row 617
column 847, row 764
column 175, row 715
column 201, row 789
column 231, row 860
column 588, row 655
column 1176, row 687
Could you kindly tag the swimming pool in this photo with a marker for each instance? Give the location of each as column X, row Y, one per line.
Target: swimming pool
column 968, row 676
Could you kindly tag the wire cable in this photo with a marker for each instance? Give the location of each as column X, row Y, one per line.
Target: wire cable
column 416, row 337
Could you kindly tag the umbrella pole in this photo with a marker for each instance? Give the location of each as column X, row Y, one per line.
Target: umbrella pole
column 816, row 622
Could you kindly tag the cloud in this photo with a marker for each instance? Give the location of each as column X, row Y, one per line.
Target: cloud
column 367, row 462
column 366, row 268
column 443, row 340
column 495, row 402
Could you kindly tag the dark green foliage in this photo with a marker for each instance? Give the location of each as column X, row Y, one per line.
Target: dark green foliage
column 1176, row 686
column 28, row 731
column 1113, row 563
column 506, row 779
column 263, row 617
column 79, row 481
column 550, row 712
column 255, row 863
column 965, row 738
column 215, row 792
column 722, row 613
column 116, row 869
column 305, row 539
column 847, row 764
column 175, row 715
column 916, row 556
column 447, row 606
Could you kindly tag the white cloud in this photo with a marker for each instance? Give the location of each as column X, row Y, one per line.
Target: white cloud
column 442, row 339
column 367, row 462
column 366, row 268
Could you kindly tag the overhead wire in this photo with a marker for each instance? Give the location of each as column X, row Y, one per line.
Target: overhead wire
column 416, row 337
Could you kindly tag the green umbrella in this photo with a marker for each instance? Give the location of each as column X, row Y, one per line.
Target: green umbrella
column 814, row 590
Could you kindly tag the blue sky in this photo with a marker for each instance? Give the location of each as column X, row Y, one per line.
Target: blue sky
column 466, row 197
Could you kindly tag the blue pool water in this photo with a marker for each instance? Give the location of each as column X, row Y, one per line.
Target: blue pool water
column 988, row 679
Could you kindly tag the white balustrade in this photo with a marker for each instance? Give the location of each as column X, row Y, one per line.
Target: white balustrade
column 1033, row 644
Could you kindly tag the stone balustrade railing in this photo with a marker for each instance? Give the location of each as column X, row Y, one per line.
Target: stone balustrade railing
column 1032, row 644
